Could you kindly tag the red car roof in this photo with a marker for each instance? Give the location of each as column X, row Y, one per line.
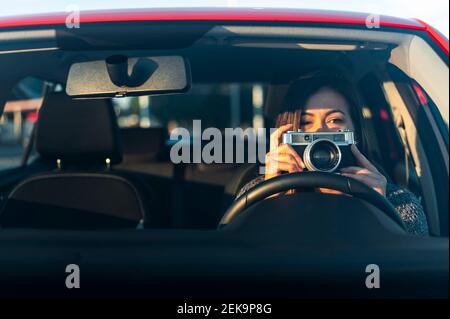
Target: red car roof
column 223, row 14
column 208, row 14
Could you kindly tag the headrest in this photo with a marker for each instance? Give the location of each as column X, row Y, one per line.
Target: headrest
column 78, row 131
column 274, row 100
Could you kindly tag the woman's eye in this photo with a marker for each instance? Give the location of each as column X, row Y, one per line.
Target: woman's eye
column 304, row 123
column 336, row 121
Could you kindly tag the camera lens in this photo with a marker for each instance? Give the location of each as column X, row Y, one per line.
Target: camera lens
column 322, row 155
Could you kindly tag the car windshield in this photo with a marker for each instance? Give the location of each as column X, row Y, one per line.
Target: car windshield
column 244, row 80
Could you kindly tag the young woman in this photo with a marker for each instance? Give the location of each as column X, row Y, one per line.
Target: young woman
column 327, row 102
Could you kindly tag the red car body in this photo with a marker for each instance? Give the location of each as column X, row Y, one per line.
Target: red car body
column 249, row 15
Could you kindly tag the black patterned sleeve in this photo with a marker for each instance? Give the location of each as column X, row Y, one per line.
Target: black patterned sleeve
column 409, row 208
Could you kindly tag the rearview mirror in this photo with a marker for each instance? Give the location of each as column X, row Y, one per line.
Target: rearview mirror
column 119, row 76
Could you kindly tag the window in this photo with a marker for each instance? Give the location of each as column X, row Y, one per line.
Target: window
column 17, row 121
column 216, row 105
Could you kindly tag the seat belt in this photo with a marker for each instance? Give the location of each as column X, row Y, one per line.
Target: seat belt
column 178, row 202
column 29, row 147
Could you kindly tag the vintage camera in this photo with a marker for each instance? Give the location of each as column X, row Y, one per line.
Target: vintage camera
column 323, row 151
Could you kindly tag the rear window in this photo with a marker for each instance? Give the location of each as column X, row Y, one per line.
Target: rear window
column 17, row 121
column 216, row 105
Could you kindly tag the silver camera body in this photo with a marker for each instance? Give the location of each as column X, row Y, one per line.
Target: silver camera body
column 323, row 151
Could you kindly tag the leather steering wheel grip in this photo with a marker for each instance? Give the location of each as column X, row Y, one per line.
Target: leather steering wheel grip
column 286, row 182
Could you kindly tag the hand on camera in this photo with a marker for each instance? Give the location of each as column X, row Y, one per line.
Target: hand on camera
column 365, row 173
column 282, row 157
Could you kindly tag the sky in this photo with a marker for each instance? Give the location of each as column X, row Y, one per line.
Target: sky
column 434, row 12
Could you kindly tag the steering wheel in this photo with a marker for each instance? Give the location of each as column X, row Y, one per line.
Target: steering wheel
column 332, row 181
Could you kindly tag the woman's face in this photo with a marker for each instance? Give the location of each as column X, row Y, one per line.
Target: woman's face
column 326, row 110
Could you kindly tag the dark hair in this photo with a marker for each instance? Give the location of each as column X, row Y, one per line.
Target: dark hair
column 303, row 88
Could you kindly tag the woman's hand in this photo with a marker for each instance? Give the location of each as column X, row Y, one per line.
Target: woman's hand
column 281, row 158
column 366, row 173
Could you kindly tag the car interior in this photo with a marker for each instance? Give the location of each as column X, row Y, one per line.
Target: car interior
column 89, row 172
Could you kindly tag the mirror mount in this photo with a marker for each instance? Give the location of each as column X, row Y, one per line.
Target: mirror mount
column 117, row 66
